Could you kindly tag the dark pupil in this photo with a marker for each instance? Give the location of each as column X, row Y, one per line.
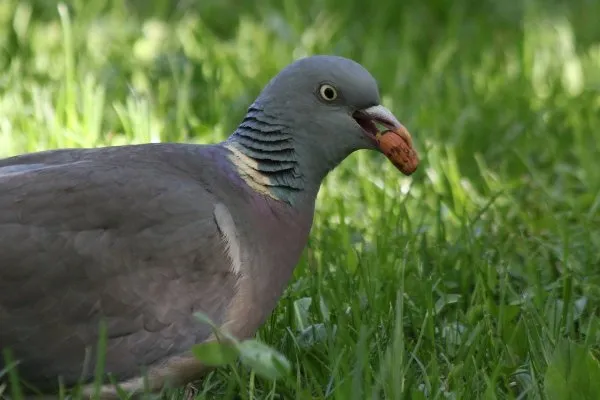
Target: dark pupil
column 329, row 93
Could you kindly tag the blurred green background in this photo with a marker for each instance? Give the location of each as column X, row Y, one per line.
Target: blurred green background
column 481, row 273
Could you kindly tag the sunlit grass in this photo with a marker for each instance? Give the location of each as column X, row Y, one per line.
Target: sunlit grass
column 464, row 281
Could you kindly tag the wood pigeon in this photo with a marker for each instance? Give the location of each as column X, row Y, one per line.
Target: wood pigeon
column 144, row 236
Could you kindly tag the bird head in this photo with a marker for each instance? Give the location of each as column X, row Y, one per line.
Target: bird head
column 308, row 119
column 333, row 107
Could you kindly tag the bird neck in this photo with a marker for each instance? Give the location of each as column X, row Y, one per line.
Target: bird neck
column 263, row 151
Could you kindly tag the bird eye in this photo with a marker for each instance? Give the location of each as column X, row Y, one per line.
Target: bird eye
column 328, row 92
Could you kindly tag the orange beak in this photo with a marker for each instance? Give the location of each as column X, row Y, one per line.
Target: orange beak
column 395, row 142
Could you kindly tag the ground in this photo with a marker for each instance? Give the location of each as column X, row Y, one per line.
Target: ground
column 478, row 277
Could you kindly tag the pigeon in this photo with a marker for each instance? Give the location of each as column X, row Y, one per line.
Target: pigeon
column 138, row 238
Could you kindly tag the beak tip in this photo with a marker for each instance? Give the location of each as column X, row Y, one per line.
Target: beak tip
column 384, row 116
column 396, row 142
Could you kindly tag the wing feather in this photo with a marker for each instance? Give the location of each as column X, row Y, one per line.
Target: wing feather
column 87, row 235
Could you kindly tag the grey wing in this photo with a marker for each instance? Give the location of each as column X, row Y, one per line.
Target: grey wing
column 83, row 241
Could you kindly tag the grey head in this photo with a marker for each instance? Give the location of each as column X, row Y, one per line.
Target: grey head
column 308, row 119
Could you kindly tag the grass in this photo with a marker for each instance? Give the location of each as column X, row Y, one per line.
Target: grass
column 478, row 277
